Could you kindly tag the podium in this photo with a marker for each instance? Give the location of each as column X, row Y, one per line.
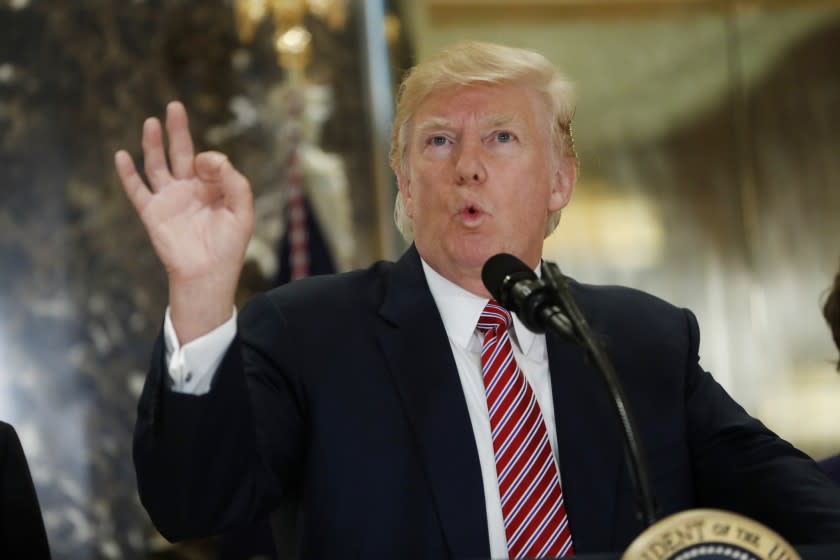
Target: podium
column 807, row 552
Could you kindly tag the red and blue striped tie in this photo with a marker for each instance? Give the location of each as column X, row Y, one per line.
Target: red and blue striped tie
column 529, row 483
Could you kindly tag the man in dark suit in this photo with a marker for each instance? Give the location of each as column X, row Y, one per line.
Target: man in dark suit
column 413, row 417
column 22, row 533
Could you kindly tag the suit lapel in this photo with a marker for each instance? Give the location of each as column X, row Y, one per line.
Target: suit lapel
column 413, row 339
column 589, row 448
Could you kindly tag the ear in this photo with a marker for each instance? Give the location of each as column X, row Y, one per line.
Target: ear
column 404, row 184
column 563, row 183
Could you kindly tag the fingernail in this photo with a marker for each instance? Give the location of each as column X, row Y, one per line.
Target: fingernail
column 217, row 160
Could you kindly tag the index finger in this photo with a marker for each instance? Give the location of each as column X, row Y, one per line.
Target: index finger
column 134, row 186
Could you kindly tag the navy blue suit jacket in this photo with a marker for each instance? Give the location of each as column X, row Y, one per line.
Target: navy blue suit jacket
column 350, row 398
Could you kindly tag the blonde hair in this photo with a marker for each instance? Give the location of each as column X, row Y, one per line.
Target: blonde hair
column 473, row 62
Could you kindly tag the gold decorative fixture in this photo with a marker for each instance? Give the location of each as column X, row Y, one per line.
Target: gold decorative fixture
column 291, row 38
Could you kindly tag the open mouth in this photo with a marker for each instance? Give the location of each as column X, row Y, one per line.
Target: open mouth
column 471, row 213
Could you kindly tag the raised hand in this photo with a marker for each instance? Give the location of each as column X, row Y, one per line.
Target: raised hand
column 198, row 212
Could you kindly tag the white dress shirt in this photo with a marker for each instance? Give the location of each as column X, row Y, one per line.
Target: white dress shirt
column 192, row 367
column 460, row 311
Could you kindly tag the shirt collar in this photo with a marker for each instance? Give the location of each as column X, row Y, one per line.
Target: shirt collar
column 460, row 310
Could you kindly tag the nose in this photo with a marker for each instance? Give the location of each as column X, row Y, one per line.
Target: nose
column 470, row 168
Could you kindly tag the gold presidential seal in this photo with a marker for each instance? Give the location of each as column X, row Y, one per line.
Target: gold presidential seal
column 709, row 534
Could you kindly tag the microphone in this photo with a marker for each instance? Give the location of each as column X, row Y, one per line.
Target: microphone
column 548, row 304
column 517, row 289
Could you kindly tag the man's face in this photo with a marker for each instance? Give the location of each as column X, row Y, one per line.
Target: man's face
column 480, row 177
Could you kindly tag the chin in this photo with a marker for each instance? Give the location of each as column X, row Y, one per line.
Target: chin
column 474, row 253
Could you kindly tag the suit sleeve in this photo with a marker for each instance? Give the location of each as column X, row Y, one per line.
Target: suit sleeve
column 207, row 464
column 741, row 465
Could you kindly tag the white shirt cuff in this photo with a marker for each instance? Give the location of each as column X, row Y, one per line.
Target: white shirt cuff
column 192, row 368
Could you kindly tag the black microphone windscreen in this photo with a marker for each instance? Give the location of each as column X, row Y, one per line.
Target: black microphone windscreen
column 497, row 268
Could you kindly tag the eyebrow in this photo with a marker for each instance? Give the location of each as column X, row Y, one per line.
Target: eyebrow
column 493, row 120
column 433, row 123
column 501, row 119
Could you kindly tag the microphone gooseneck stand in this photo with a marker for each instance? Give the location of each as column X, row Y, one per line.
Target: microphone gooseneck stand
column 584, row 336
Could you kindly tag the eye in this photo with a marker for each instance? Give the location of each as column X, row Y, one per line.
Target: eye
column 438, row 140
column 504, row 136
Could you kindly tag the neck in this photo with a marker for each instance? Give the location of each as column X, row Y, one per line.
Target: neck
column 473, row 285
column 466, row 277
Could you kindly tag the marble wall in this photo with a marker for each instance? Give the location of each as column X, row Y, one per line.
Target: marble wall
column 81, row 292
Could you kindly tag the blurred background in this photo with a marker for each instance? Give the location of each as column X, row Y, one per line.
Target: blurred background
column 710, row 176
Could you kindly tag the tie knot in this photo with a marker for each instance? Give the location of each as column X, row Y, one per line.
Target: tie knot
column 494, row 317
